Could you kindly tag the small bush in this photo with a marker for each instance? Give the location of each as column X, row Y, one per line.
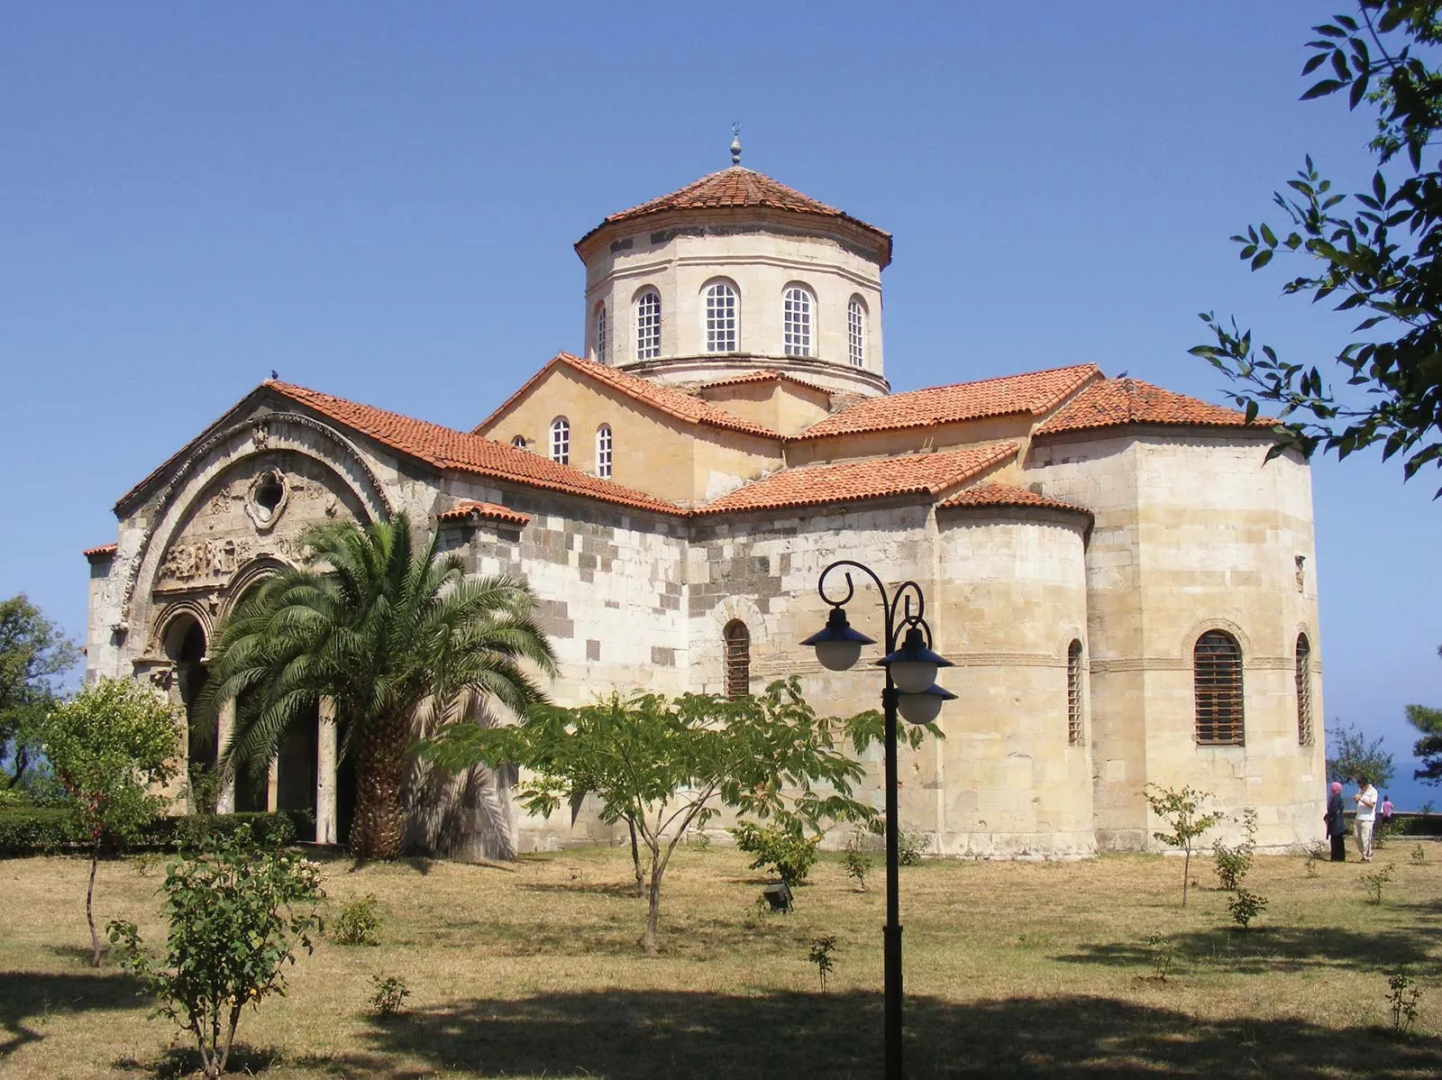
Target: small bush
column 820, row 955
column 780, row 847
column 358, row 922
column 1245, row 907
column 390, row 995
column 910, row 847
column 1234, row 862
column 1375, row 882
column 858, row 862
column 193, row 831
column 1402, row 997
column 1419, row 856
column 1164, row 952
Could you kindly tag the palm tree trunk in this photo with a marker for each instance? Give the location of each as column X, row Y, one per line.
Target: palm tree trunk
column 379, row 825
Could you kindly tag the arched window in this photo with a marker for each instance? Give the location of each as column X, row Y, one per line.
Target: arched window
column 856, row 332
column 738, row 659
column 721, row 321
column 519, row 442
column 648, row 325
column 1074, row 693
column 561, row 440
column 1304, row 691
column 1217, row 669
column 601, row 334
column 796, row 305
column 603, row 451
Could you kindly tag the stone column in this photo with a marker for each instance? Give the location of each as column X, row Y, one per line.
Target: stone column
column 272, row 785
column 326, row 823
column 226, row 803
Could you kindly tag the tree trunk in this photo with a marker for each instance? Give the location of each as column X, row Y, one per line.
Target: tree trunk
column 379, row 825
column 636, row 860
column 1186, row 873
column 89, row 905
column 653, row 916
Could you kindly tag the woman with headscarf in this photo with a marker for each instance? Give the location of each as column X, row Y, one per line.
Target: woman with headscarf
column 1336, row 824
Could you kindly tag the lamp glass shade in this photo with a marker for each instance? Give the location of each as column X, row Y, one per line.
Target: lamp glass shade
column 925, row 707
column 912, row 676
column 838, row 655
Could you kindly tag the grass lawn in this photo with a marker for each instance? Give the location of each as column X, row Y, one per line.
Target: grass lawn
column 533, row 970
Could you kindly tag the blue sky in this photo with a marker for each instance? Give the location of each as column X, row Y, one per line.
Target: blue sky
column 378, row 200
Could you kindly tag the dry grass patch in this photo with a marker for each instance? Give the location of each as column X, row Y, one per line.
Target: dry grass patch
column 533, row 969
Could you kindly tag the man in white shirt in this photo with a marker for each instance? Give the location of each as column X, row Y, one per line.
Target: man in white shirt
column 1366, row 800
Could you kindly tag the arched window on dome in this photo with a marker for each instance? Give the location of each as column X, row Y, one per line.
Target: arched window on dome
column 519, row 442
column 738, row 659
column 722, row 323
column 1217, row 671
column 797, row 305
column 603, row 451
column 648, row 325
column 856, row 332
column 1074, row 693
column 600, row 328
column 1304, row 691
column 561, row 441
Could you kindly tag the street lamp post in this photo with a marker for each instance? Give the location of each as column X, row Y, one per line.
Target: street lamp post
column 911, row 690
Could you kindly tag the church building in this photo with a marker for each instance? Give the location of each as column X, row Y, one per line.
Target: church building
column 1124, row 581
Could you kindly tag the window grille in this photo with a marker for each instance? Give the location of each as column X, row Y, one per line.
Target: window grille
column 856, row 333
column 519, row 442
column 603, row 451
column 561, row 441
column 796, row 322
column 648, row 325
column 601, row 334
column 1074, row 694
column 1304, row 691
column 720, row 318
column 1217, row 667
column 738, row 659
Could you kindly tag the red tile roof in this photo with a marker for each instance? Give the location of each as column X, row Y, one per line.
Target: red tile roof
column 1117, row 402
column 666, row 399
column 446, row 448
column 1007, row 495
column 1035, row 393
column 739, row 188
column 104, row 551
column 469, row 510
column 854, row 481
column 764, row 376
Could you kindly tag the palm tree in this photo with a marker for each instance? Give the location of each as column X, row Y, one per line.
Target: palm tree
column 395, row 636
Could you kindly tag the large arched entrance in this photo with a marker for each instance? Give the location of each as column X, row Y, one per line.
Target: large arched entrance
column 185, row 647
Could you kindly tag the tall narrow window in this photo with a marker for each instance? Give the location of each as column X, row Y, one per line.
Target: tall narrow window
column 738, row 659
column 1074, row 693
column 648, row 325
column 856, row 332
column 720, row 318
column 603, row 451
column 1304, row 691
column 601, row 334
column 796, row 321
column 1217, row 669
column 561, row 440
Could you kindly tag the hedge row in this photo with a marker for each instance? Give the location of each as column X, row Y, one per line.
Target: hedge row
column 44, row 831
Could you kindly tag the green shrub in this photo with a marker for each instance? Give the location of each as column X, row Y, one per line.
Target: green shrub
column 910, row 847
column 40, row 830
column 858, row 862
column 1234, row 862
column 36, row 830
column 390, row 995
column 1245, row 907
column 357, row 922
column 780, row 847
column 266, row 830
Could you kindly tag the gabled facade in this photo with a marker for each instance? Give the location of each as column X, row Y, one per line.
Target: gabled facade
column 1124, row 580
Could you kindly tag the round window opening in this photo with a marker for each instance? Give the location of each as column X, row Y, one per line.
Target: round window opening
column 267, row 497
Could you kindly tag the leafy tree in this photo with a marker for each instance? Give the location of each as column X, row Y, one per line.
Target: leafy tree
column 237, row 913
column 111, row 745
column 1353, row 756
column 663, row 766
column 1181, row 811
column 33, row 652
column 1379, row 258
column 1429, row 747
column 397, row 636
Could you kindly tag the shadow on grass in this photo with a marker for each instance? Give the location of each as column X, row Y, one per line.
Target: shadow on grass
column 1273, row 948
column 29, row 998
column 622, row 890
column 650, row 1035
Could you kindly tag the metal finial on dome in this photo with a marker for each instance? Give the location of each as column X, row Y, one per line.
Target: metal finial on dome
column 735, row 144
